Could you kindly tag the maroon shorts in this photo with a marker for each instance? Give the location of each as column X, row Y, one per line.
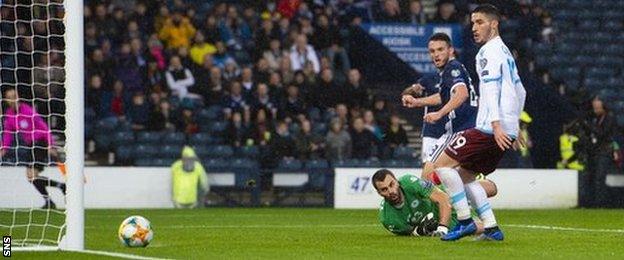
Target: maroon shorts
column 475, row 151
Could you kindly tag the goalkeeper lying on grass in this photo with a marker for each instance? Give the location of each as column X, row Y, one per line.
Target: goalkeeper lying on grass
column 414, row 206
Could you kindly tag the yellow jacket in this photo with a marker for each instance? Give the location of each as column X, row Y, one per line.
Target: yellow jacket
column 566, row 146
column 185, row 184
column 177, row 36
column 198, row 51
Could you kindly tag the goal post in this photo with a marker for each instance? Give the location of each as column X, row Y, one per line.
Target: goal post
column 74, row 146
column 74, row 100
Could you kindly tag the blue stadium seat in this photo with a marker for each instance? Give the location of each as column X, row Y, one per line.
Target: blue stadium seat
column 102, row 141
column 175, row 138
column 149, row 137
column 248, row 152
column 144, row 162
column 370, row 163
column 199, row 139
column 403, row 152
column 317, row 172
column 245, row 169
column 218, row 128
column 215, row 165
column 393, row 164
column 219, row 151
column 347, row 163
column 123, row 138
column 124, row 153
column 163, row 162
column 170, row 151
column 289, row 166
column 145, row 151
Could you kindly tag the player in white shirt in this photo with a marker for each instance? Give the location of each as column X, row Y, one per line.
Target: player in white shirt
column 480, row 149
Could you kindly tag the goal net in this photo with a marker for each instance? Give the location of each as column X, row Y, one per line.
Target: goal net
column 36, row 88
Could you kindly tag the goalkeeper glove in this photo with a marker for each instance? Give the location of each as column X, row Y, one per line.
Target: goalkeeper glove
column 440, row 231
column 427, row 226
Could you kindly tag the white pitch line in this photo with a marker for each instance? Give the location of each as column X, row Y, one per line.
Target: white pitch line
column 565, row 228
column 118, row 255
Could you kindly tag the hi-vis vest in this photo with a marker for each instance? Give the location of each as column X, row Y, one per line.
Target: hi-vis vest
column 566, row 146
column 187, row 184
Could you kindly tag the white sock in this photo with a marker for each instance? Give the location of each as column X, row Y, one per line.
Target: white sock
column 455, row 188
column 480, row 203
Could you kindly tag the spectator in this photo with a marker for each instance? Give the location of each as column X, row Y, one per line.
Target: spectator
column 261, row 132
column 221, row 57
column 329, row 41
column 231, row 71
column 266, row 34
column 249, row 86
column 328, row 93
column 274, row 54
column 446, row 13
column 153, row 76
column 91, row 38
column 293, row 106
column 342, row 114
column 138, row 111
column 381, row 112
column 601, row 130
column 288, row 8
column 235, row 33
column 156, row 51
column 189, row 180
column 117, row 101
column 371, row 124
column 309, row 145
column 548, row 31
column 94, row 95
column 282, row 145
column 390, row 11
column 285, row 70
column 187, row 122
column 213, row 91
column 301, row 53
column 235, row 101
column 358, row 92
column 262, row 100
column 177, row 31
column 128, row 70
column 275, row 85
column 363, row 141
column 416, row 13
column 337, row 143
column 211, row 30
column 395, row 135
column 238, row 131
column 179, row 79
column 161, row 117
column 263, row 71
column 201, row 48
column 100, row 65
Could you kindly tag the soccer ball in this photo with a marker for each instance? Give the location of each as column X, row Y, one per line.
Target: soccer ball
column 135, row 231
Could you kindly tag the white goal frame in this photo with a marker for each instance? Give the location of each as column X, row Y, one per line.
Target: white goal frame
column 74, row 131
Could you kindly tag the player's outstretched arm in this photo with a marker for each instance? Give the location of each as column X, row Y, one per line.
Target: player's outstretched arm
column 443, row 201
column 460, row 95
column 432, row 100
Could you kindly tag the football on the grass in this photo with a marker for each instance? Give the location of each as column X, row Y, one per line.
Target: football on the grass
column 135, row 231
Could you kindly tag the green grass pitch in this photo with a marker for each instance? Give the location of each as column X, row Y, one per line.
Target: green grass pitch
column 293, row 233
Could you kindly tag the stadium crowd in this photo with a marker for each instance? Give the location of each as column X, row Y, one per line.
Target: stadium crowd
column 275, row 74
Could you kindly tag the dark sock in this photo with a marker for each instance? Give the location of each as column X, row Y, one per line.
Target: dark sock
column 465, row 222
column 41, row 184
column 491, row 229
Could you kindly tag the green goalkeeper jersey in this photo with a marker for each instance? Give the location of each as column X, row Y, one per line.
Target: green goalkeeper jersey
column 404, row 218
